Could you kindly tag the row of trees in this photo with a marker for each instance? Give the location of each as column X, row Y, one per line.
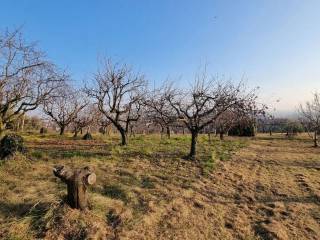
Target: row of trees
column 116, row 95
column 119, row 96
column 310, row 117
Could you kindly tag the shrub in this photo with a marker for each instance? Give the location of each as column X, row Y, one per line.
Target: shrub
column 87, row 136
column 242, row 130
column 10, row 144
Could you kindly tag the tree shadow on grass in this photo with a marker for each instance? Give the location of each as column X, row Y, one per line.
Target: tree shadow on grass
column 34, row 211
column 17, row 210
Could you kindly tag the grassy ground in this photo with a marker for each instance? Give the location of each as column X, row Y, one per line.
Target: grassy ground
column 264, row 188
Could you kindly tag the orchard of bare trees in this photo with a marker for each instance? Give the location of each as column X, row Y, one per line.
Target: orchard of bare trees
column 144, row 120
column 117, row 96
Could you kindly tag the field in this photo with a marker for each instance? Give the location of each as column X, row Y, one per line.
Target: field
column 240, row 188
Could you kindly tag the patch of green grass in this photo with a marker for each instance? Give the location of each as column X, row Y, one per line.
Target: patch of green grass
column 225, row 149
column 74, row 154
column 37, row 154
column 211, row 154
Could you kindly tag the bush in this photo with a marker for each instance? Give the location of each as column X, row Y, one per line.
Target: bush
column 87, row 136
column 242, row 130
column 292, row 128
column 43, row 130
column 10, row 144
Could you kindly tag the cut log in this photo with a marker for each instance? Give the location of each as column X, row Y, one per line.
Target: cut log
column 77, row 181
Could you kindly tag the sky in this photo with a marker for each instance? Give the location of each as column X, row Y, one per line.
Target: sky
column 273, row 44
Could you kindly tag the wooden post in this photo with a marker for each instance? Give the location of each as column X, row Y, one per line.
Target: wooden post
column 77, row 181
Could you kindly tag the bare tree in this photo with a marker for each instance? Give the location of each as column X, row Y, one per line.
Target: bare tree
column 84, row 119
column 64, row 108
column 310, row 116
column 26, row 78
column 159, row 110
column 118, row 92
column 226, row 121
column 204, row 102
column 103, row 123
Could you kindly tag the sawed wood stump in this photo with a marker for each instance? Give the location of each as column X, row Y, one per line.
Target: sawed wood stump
column 77, row 181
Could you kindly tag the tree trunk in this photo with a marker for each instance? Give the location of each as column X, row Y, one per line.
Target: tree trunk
column 77, row 181
column 315, row 139
column 209, row 137
column 168, row 132
column 132, row 133
column 62, row 130
column 75, row 133
column 221, row 135
column 254, row 130
column 270, row 133
column 194, row 139
column 161, row 132
column 123, row 137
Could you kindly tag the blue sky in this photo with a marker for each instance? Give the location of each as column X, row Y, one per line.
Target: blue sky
column 275, row 44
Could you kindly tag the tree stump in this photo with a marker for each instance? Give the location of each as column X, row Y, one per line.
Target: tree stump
column 77, row 181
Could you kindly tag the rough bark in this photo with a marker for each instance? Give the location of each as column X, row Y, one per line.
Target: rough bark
column 315, row 139
column 194, row 139
column 221, row 135
column 162, row 130
column 62, row 130
column 123, row 137
column 77, row 181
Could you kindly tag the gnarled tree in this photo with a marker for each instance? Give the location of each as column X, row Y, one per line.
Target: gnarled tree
column 64, row 107
column 118, row 92
column 226, row 121
column 204, row 102
column 159, row 110
column 26, row 77
column 85, row 118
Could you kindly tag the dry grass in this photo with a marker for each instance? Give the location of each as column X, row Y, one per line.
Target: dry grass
column 269, row 189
